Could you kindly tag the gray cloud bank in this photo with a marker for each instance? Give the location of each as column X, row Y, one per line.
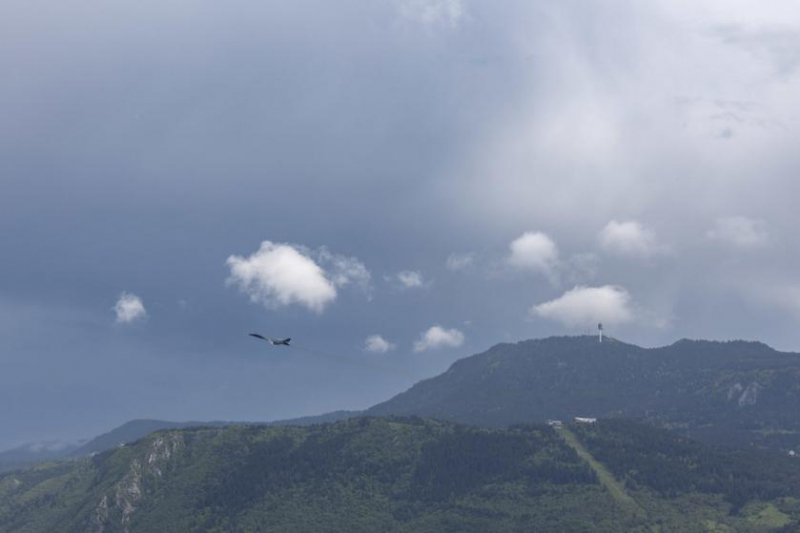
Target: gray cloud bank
column 638, row 154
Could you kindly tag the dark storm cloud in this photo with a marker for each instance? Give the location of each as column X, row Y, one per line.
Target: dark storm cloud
column 142, row 145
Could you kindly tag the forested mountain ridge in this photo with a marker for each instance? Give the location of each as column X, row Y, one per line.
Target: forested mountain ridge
column 721, row 392
column 360, row 475
column 393, row 475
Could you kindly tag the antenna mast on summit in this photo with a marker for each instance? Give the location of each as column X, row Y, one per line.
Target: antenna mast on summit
column 600, row 329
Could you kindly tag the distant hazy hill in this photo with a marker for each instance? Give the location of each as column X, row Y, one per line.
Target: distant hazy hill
column 137, row 429
column 129, row 432
column 133, row 431
column 35, row 452
column 333, row 416
column 405, row 475
column 726, row 392
column 32, row 453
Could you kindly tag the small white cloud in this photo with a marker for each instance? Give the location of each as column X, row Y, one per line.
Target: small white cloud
column 629, row 238
column 582, row 306
column 409, row 279
column 432, row 12
column 534, row 251
column 129, row 308
column 344, row 271
column 456, row 262
column 438, row 337
column 377, row 344
column 740, row 232
column 284, row 274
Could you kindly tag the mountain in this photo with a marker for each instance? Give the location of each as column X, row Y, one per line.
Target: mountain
column 720, row 392
column 407, row 475
column 742, row 393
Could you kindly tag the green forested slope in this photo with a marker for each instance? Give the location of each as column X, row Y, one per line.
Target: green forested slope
column 377, row 474
column 667, row 472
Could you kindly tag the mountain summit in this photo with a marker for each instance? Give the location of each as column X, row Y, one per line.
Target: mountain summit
column 725, row 392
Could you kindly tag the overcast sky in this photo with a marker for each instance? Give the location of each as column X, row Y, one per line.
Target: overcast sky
column 394, row 184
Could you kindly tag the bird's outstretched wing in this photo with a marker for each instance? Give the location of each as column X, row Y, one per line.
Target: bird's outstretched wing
column 256, row 335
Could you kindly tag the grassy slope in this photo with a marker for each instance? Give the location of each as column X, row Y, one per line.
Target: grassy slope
column 614, row 487
column 712, row 489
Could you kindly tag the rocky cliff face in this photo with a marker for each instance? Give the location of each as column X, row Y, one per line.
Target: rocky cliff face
column 116, row 507
column 744, row 396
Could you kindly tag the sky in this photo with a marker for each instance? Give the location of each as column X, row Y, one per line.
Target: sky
column 394, row 184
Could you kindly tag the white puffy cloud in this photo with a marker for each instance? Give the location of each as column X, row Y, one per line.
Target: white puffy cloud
column 284, row 274
column 629, row 238
column 534, row 251
column 457, row 262
column 377, row 344
column 432, row 12
column 740, row 232
column 129, row 308
column 438, row 337
column 582, row 306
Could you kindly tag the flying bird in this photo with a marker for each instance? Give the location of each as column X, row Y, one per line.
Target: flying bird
column 274, row 342
column 328, row 355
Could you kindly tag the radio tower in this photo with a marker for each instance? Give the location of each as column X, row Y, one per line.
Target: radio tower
column 600, row 329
